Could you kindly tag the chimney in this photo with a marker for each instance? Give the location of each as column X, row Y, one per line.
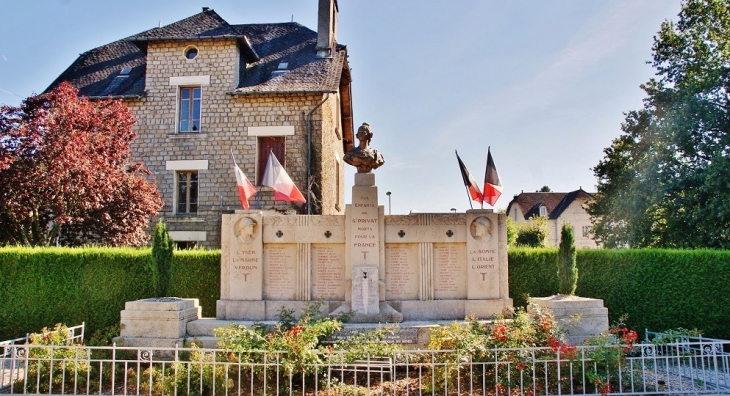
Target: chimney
column 326, row 28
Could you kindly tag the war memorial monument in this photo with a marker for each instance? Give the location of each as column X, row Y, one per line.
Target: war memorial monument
column 415, row 269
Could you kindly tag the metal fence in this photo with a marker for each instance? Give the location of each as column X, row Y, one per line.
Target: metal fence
column 673, row 368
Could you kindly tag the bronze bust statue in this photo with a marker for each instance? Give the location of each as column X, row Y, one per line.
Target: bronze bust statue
column 363, row 157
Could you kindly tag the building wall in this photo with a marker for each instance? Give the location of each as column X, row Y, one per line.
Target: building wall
column 225, row 123
column 576, row 216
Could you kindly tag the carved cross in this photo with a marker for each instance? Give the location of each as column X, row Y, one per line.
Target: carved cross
column 328, row 234
column 401, row 233
column 449, row 233
column 279, row 234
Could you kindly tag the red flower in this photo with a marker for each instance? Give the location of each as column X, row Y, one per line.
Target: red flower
column 295, row 330
column 553, row 343
column 500, row 333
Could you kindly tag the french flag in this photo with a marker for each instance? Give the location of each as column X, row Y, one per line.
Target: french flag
column 276, row 177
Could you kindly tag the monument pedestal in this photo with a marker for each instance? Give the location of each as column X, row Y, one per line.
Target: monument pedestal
column 157, row 322
column 580, row 317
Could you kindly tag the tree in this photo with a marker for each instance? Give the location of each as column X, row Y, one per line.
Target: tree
column 545, row 188
column 66, row 175
column 567, row 268
column 163, row 248
column 666, row 174
column 532, row 233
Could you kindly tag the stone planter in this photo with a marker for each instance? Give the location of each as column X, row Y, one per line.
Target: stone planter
column 157, row 322
column 580, row 317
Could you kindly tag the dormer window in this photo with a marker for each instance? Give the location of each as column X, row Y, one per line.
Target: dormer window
column 191, row 53
column 543, row 211
column 283, row 68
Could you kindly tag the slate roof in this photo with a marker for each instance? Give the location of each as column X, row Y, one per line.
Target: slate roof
column 555, row 202
column 96, row 73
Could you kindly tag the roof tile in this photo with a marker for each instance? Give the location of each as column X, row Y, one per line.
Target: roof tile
column 95, row 72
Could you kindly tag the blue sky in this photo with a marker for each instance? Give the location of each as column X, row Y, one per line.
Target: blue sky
column 544, row 83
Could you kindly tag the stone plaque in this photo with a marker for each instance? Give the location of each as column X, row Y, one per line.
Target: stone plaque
column 365, row 285
column 364, row 235
column 483, row 259
column 328, row 272
column 401, row 272
column 280, row 263
column 241, row 258
column 397, row 336
column 449, row 272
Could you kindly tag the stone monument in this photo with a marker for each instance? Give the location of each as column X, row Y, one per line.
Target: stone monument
column 380, row 268
column 416, row 269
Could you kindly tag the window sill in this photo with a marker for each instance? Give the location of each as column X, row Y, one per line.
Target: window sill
column 187, row 135
column 185, row 218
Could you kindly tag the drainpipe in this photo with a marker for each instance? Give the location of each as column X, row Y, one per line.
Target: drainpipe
column 309, row 153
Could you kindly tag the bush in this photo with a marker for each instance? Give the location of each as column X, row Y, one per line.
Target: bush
column 532, row 233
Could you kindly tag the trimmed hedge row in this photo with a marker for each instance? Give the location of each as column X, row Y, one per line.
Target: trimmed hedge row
column 44, row 286
column 197, row 274
column 658, row 289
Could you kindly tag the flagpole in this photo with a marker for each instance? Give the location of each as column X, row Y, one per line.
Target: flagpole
column 468, row 196
column 485, row 175
column 464, row 177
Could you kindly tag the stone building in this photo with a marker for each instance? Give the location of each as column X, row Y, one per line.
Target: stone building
column 559, row 208
column 202, row 88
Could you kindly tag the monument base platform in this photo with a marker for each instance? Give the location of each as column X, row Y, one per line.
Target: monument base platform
column 266, row 310
column 389, row 311
column 415, row 310
column 386, row 314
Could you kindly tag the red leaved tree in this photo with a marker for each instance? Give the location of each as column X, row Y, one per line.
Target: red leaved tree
column 66, row 174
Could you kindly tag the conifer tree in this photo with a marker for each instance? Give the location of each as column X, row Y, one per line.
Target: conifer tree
column 567, row 268
column 162, row 250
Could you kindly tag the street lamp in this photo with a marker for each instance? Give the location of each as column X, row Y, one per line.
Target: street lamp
column 388, row 194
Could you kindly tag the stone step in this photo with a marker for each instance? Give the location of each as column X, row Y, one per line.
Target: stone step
column 208, row 342
column 204, row 326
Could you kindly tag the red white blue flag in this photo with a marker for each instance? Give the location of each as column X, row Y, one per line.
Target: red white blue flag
column 276, row 177
column 246, row 190
column 469, row 182
column 492, row 184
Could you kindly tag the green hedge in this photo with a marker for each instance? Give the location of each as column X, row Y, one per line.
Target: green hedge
column 44, row 286
column 658, row 289
column 197, row 274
